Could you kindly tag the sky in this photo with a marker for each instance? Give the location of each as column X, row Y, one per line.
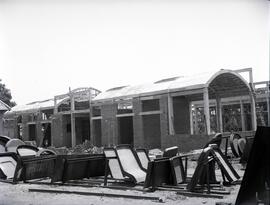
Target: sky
column 47, row 46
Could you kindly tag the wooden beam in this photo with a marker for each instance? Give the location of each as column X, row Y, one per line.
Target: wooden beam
column 219, row 114
column 201, row 190
column 125, row 115
column 92, row 139
column 186, row 92
column 150, row 97
column 87, row 193
column 55, row 106
column 72, row 118
column 242, row 116
column 268, row 109
column 155, row 112
column 206, row 110
column 204, row 195
column 196, row 120
column 96, row 118
column 170, row 115
column 253, row 112
column 191, row 119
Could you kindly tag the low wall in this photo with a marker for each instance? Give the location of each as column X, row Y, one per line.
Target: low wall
column 187, row 142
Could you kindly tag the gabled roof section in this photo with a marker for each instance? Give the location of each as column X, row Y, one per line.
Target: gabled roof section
column 4, row 106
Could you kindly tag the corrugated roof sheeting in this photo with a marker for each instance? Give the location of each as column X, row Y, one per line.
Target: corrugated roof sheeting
column 185, row 83
column 34, row 106
column 182, row 83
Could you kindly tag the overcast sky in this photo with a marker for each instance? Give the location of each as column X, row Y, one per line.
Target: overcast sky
column 47, row 46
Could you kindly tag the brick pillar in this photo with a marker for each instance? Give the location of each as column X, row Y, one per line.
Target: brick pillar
column 109, row 124
column 25, row 133
column 138, row 123
column 164, row 126
column 58, row 129
column 39, row 137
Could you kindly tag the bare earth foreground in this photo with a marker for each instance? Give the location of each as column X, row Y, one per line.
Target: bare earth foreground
column 19, row 195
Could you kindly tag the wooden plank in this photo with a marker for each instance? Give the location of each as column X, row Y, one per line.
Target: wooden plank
column 90, row 184
column 170, row 115
column 150, row 112
column 191, row 119
column 96, row 118
column 206, row 110
column 203, row 195
column 243, row 124
column 219, row 115
column 125, row 115
column 8, row 181
column 199, row 190
column 96, row 194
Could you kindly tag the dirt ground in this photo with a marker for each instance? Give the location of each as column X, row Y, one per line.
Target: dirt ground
column 19, row 194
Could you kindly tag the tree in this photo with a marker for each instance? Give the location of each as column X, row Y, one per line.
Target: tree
column 5, row 95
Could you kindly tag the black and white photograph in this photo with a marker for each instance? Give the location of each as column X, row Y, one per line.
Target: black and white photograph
column 134, row 102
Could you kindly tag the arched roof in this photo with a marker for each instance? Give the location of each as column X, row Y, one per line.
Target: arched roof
column 226, row 83
column 218, row 83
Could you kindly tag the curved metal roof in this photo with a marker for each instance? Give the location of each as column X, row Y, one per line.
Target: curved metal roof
column 225, row 83
column 34, row 106
column 214, row 81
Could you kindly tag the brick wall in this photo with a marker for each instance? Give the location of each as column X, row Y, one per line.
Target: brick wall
column 10, row 129
column 109, row 124
column 137, row 124
column 181, row 115
column 1, row 123
column 151, row 129
column 25, row 131
column 59, row 132
column 97, row 132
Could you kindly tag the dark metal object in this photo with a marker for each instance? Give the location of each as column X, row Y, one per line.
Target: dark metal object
column 43, row 152
column 170, row 152
column 29, row 168
column 234, row 137
column 203, row 174
column 256, row 180
column 136, row 173
column 143, row 157
column 70, row 167
column 8, row 162
column 112, row 165
column 4, row 140
column 12, row 145
column 158, row 173
column 169, row 171
column 26, row 150
column 177, row 169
